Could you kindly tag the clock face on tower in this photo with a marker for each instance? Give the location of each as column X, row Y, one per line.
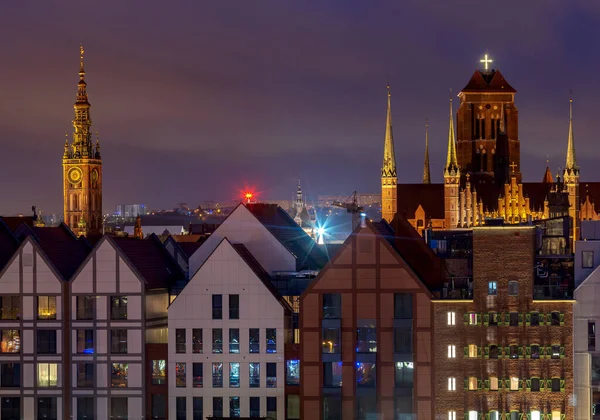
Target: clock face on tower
column 74, row 175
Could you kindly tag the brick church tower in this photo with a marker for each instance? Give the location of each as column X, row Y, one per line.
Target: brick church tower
column 389, row 177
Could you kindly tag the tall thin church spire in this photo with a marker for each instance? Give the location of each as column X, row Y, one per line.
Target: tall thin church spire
column 82, row 135
column 426, row 171
column 571, row 163
column 388, row 168
column 451, row 160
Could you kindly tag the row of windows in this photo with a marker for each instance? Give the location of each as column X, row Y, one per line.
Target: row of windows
column 234, row 340
column 366, row 340
column 510, row 352
column 513, row 415
column 47, row 375
column 234, row 306
column 366, row 375
column 217, row 375
column 366, row 407
column 11, row 341
column 510, row 384
column 514, row 319
column 513, row 288
column 11, row 307
column 10, row 408
column 332, row 306
column 218, row 408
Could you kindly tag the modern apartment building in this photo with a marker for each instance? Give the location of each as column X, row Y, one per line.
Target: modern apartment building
column 227, row 331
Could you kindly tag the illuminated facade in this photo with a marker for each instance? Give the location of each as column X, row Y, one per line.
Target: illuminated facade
column 82, row 169
column 389, row 178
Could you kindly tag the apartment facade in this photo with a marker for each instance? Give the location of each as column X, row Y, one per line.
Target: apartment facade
column 366, row 335
column 227, row 334
column 503, row 354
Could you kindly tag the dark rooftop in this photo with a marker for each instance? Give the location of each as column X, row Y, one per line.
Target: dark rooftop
column 8, row 244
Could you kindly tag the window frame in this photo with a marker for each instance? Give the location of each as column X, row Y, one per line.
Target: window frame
column 50, row 300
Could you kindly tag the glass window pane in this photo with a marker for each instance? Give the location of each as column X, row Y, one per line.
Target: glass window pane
column 254, row 335
column 332, row 305
column 365, row 375
column 254, row 375
column 234, row 375
column 292, row 372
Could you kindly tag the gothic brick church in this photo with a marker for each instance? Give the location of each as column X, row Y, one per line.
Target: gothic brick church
column 482, row 174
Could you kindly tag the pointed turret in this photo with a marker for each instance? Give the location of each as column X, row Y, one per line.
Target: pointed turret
column 426, row 171
column 82, row 136
column 571, row 179
column 548, row 179
column 452, row 216
column 389, row 180
column 451, row 167
column 571, row 164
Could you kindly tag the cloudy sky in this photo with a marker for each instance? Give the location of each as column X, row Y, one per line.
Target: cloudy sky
column 196, row 99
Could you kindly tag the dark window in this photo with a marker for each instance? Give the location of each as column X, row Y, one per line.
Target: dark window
column 118, row 408
column 180, row 340
column 217, row 340
column 271, row 375
column 180, row 375
column 513, row 288
column 254, row 406
column 10, row 375
column 118, row 307
column 555, row 352
column 514, row 319
column 404, row 374
column 272, row 407
column 555, row 317
column 46, row 341
column 366, row 340
column 366, row 407
column 180, row 408
column 366, row 375
column 332, row 305
column 403, row 340
column 217, row 406
column 118, row 341
column 271, row 339
column 254, row 340
column 292, row 372
column 10, row 408
column 535, row 351
column 493, row 352
column 514, row 352
column 535, row 319
column 234, row 340
column 493, row 319
column 591, row 336
column 159, row 372
column 85, row 408
column 197, row 340
column 535, row 384
column 85, row 341
column 234, row 375
column 234, row 306
column 159, row 407
column 293, row 407
column 403, row 306
column 587, row 259
column 217, row 375
column 331, row 340
column 217, row 306
column 555, row 384
column 46, row 409
column 198, row 408
column 46, row 307
column 11, row 341
column 10, row 307
column 254, row 375
column 85, row 375
column 332, row 374
column 234, row 407
column 404, row 409
column 198, row 375
column 332, row 408
column 85, row 307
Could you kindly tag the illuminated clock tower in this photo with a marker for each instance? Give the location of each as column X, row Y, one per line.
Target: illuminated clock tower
column 82, row 168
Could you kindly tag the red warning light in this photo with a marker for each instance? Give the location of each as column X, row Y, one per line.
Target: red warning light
column 248, row 195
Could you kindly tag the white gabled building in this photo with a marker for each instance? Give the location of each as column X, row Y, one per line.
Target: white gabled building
column 227, row 331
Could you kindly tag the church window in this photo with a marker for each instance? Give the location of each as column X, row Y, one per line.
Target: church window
column 492, row 288
column 513, row 288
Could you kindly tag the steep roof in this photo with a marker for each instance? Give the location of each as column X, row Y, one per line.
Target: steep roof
column 429, row 196
column 64, row 251
column 414, row 251
column 13, row 222
column 290, row 235
column 261, row 274
column 188, row 248
column 492, row 81
column 151, row 260
column 8, row 244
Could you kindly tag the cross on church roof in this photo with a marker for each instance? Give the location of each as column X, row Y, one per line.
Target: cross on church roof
column 485, row 61
column 512, row 167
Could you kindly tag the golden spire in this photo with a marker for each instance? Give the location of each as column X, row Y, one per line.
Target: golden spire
column 82, row 137
column 451, row 160
column 66, row 153
column 571, row 164
column 388, row 170
column 426, row 171
column 81, row 68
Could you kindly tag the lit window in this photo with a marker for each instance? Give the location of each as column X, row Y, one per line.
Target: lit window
column 234, row 375
column 556, row 415
column 85, row 341
column 292, row 372
column 366, row 339
column 492, row 288
column 473, row 415
column 271, row 340
column 159, row 372
column 118, row 375
column 254, row 375
column 535, row 415
column 494, row 415
column 10, row 307
column 271, row 375
column 217, row 340
column 513, row 288
column 254, row 340
column 451, row 351
column 197, row 375
column 46, row 307
column 451, row 415
column 331, row 340
column 555, row 352
column 473, row 319
column 472, row 383
column 472, row 350
column 514, row 384
column 451, row 384
column 365, row 375
column 493, row 384
column 47, row 374
column 118, row 307
column 217, row 375
column 11, row 341
column 234, row 340
column 180, row 375
column 451, row 318
column 404, row 375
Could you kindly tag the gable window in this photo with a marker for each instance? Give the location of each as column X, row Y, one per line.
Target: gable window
column 46, row 307
column 403, row 306
column 85, row 308
column 85, row 341
column 587, row 259
column 118, row 307
column 234, row 340
column 332, row 305
column 513, row 288
column 10, row 307
column 254, row 338
column 217, row 306
column 180, row 340
column 451, row 318
column 492, row 288
column 46, row 341
column 234, row 306
column 118, row 341
column 197, row 340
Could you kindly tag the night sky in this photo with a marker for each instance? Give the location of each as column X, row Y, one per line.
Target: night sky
column 196, row 99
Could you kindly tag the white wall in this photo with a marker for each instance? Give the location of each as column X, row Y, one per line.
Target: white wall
column 582, row 273
column 241, row 227
column 225, row 272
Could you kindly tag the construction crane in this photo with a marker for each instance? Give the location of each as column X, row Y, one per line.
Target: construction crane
column 351, row 206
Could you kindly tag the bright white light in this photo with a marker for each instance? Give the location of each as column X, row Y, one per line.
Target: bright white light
column 320, row 231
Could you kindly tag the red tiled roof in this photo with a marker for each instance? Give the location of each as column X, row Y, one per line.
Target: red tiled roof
column 492, row 81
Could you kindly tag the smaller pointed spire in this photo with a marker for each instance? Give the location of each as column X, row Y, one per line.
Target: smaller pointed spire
column 451, row 159
column 81, row 67
column 571, row 164
column 389, row 157
column 66, row 153
column 426, row 171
